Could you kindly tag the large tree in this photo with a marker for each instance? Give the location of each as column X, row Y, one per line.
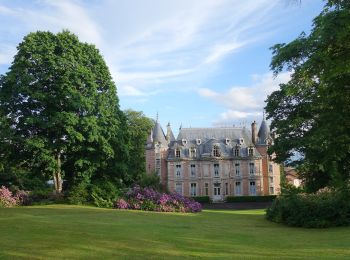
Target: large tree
column 311, row 113
column 139, row 127
column 62, row 113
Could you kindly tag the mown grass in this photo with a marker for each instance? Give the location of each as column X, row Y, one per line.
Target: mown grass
column 74, row 232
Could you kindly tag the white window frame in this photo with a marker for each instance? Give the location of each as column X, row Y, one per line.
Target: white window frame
column 251, row 168
column 216, row 170
column 178, row 170
column 193, row 170
column 238, row 169
column 238, row 191
column 178, row 184
column 193, row 189
column 252, row 188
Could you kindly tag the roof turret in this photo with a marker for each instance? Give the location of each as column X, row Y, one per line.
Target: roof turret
column 264, row 132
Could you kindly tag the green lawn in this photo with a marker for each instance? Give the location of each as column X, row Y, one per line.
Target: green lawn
column 70, row 232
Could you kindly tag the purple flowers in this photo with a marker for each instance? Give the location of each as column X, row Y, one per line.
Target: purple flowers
column 151, row 200
column 7, row 199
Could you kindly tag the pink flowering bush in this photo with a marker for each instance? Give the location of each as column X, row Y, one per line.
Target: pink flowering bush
column 148, row 199
column 8, row 199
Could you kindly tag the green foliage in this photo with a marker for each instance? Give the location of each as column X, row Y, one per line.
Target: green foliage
column 201, row 199
column 316, row 210
column 151, row 180
column 104, row 195
column 267, row 198
column 310, row 113
column 59, row 113
column 139, row 127
column 79, row 194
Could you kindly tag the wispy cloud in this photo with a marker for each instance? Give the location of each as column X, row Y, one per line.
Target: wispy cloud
column 243, row 102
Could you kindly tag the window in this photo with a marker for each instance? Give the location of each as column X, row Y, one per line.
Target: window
column 198, row 141
column 226, row 188
column 178, row 170
column 193, row 170
column 227, row 141
column 158, row 163
column 236, row 152
column 193, row 190
column 271, row 180
column 251, row 168
column 216, row 152
column 250, row 151
column 237, row 169
column 216, row 170
column 178, row 188
column 184, row 142
column 206, row 189
column 193, row 152
column 272, row 190
column 270, row 168
column 252, row 188
column 177, row 153
column 238, row 188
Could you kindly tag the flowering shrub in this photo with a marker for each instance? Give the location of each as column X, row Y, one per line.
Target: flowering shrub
column 8, row 199
column 148, row 199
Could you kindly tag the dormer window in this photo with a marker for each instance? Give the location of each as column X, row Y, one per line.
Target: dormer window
column 227, row 141
column 193, row 152
column 177, row 153
column 184, row 142
column 236, row 151
column 198, row 141
column 250, row 151
column 216, row 151
column 241, row 141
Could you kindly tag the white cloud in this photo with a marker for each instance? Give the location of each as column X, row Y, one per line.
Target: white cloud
column 149, row 48
column 244, row 102
column 6, row 53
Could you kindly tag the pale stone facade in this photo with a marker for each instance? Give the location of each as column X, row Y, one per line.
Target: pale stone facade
column 214, row 162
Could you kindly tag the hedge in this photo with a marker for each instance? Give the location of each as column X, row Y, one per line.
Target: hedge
column 201, row 199
column 267, row 198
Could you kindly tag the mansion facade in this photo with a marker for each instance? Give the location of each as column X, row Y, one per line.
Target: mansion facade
column 214, row 162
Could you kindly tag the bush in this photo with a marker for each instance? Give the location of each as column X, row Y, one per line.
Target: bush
column 79, row 194
column 7, row 199
column 202, row 199
column 267, row 198
column 150, row 180
column 148, row 199
column 324, row 208
column 104, row 195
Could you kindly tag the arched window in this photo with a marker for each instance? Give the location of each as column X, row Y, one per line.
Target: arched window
column 216, row 151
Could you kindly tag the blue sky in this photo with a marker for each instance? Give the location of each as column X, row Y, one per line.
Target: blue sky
column 197, row 63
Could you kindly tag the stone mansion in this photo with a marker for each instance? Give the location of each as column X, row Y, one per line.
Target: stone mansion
column 214, row 162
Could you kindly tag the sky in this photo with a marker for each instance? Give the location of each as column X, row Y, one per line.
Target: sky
column 198, row 63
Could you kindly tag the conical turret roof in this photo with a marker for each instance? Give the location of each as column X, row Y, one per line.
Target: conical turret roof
column 158, row 134
column 264, row 132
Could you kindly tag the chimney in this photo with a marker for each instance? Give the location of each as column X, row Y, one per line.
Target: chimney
column 254, row 132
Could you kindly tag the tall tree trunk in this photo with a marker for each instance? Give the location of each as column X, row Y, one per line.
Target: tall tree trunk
column 57, row 177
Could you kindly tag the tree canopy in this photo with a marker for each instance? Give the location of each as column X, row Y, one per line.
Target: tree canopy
column 311, row 113
column 60, row 115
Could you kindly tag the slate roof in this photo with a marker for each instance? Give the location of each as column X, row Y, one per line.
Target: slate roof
column 264, row 132
column 158, row 135
column 226, row 138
